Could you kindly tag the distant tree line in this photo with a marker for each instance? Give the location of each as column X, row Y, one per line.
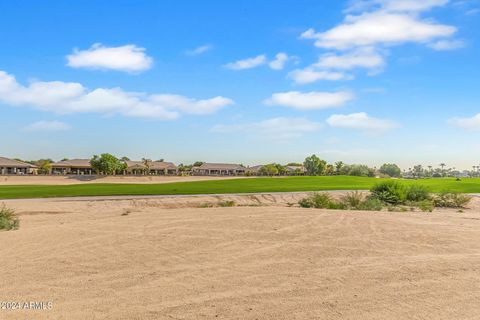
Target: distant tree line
column 108, row 164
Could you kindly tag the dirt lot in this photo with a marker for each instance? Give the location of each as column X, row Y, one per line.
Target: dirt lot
column 168, row 258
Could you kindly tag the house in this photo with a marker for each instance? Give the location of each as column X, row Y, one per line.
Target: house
column 295, row 170
column 11, row 166
column 219, row 169
column 151, row 168
column 74, row 166
column 254, row 170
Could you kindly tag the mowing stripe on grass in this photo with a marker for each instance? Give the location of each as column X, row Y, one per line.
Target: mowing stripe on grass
column 254, row 185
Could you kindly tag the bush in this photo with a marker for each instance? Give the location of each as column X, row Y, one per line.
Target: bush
column 227, row 203
column 8, row 219
column 417, row 193
column 371, row 204
column 391, row 192
column 425, row 205
column 321, row 201
column 353, row 199
column 451, row 200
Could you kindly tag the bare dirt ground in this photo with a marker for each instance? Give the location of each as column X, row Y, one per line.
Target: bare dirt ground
column 167, row 258
column 66, row 180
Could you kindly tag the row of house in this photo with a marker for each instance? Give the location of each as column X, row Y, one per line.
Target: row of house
column 83, row 167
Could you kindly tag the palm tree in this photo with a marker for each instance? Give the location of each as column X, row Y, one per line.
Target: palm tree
column 147, row 162
column 442, row 165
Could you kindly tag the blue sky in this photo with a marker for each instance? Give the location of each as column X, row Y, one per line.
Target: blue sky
column 363, row 81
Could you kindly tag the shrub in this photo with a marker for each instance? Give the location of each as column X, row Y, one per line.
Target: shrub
column 451, row 200
column 425, row 205
column 8, row 219
column 227, row 203
column 321, row 201
column 306, row 203
column 371, row 204
column 391, row 192
column 353, row 199
column 416, row 193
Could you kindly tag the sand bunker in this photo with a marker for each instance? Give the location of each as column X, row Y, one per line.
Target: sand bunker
column 166, row 258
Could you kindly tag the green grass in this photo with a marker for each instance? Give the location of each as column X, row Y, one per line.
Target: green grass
column 252, row 185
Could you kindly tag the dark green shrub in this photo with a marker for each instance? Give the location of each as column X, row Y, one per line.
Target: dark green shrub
column 425, row 205
column 321, row 201
column 306, row 203
column 416, row 193
column 8, row 219
column 391, row 192
column 451, row 200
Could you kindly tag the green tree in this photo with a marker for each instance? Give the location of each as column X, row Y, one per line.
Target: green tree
column 107, row 164
column 338, row 167
column 281, row 169
column 198, row 163
column 314, row 166
column 443, row 165
column 44, row 166
column 330, row 170
column 390, row 169
column 269, row 169
column 147, row 163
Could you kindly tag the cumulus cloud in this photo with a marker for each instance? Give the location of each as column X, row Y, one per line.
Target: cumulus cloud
column 47, row 126
column 199, row 50
column 394, row 5
column 71, row 97
column 278, row 129
column 279, row 62
column 310, row 100
column 472, row 123
column 370, row 27
column 247, row 63
column 445, row 45
column 360, row 121
column 129, row 58
column 366, row 58
column 310, row 74
column 379, row 28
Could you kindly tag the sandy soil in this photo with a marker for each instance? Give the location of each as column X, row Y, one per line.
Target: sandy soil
column 66, row 180
column 166, row 258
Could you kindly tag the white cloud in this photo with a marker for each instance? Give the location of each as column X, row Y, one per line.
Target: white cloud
column 247, row 63
column 278, row 129
column 360, row 121
column 310, row 100
column 445, row 45
column 472, row 123
column 279, row 62
column 310, row 74
column 394, row 5
column 129, row 58
column 369, row 29
column 199, row 50
column 47, row 126
column 379, row 28
column 366, row 58
column 70, row 97
column 411, row 5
